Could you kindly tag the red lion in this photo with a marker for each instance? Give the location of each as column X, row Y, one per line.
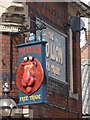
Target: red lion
column 30, row 75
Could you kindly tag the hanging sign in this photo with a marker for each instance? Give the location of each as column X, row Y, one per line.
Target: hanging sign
column 31, row 75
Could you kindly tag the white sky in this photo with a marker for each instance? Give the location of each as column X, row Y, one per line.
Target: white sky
column 86, row 1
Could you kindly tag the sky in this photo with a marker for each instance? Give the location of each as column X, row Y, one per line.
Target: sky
column 86, row 1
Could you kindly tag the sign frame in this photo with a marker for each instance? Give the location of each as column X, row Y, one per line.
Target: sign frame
column 40, row 95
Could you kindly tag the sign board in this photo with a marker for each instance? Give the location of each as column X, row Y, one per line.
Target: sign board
column 31, row 37
column 33, row 70
column 56, row 52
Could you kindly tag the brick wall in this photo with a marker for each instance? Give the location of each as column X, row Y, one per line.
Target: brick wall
column 6, row 62
column 85, row 52
column 52, row 13
column 77, row 64
column 60, row 105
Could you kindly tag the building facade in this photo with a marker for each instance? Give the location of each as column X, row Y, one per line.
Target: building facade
column 85, row 65
column 63, row 64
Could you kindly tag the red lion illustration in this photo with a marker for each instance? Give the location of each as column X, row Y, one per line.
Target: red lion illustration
column 30, row 75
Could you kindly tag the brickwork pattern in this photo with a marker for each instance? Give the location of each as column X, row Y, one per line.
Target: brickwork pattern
column 5, row 71
column 57, row 93
column 85, row 52
column 60, row 104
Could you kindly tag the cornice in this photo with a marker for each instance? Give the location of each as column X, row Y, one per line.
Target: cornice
column 12, row 17
column 8, row 28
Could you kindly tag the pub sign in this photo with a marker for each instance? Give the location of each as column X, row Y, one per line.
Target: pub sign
column 31, row 76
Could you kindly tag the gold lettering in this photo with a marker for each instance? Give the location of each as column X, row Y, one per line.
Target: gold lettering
column 23, row 99
column 35, row 97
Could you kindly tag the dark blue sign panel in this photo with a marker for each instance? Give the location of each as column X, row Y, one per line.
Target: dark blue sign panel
column 37, row 50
